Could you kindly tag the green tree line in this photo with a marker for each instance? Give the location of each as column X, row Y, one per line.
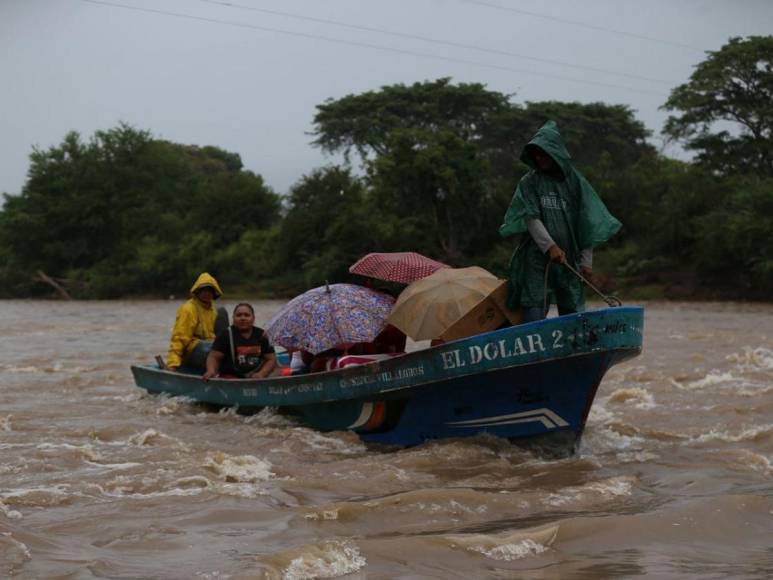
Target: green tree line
column 124, row 213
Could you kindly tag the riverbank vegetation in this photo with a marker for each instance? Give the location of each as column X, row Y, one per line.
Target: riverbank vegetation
column 430, row 167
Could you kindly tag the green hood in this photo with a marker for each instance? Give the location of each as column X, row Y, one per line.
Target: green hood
column 591, row 223
column 549, row 140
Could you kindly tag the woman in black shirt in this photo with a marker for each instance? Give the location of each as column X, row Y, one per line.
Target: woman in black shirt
column 243, row 350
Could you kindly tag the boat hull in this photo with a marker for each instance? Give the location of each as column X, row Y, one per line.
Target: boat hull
column 523, row 382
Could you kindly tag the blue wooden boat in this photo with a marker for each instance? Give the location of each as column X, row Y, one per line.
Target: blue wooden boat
column 535, row 380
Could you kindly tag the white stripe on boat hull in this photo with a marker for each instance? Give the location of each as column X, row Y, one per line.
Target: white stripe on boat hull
column 548, row 418
column 365, row 413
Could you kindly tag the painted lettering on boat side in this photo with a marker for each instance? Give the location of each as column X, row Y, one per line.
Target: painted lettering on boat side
column 559, row 339
column 505, row 348
column 617, row 327
column 384, row 377
column 291, row 389
column 356, row 381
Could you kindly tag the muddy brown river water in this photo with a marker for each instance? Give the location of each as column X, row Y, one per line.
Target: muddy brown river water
column 100, row 480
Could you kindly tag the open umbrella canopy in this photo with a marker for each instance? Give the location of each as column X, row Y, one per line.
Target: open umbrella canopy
column 328, row 316
column 402, row 267
column 430, row 307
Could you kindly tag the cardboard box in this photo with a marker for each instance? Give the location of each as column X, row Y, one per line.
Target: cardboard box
column 488, row 315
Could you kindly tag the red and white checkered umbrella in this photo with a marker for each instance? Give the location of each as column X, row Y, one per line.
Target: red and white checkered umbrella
column 403, row 267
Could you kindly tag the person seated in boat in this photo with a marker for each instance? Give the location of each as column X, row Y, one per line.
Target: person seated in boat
column 562, row 219
column 302, row 361
column 389, row 341
column 241, row 351
column 320, row 362
column 195, row 322
column 297, row 364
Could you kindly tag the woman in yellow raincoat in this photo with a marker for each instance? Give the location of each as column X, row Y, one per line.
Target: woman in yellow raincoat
column 195, row 320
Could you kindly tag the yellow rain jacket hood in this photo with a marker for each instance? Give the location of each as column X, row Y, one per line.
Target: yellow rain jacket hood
column 205, row 279
column 194, row 322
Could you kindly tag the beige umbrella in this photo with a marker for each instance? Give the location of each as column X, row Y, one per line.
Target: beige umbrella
column 450, row 304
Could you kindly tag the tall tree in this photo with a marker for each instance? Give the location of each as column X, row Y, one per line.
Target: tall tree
column 435, row 183
column 364, row 122
column 734, row 86
column 330, row 223
column 127, row 213
column 420, row 147
column 736, row 254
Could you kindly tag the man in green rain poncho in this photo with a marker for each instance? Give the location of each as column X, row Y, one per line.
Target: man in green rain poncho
column 565, row 220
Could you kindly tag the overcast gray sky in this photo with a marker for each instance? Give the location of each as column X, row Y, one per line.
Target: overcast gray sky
column 246, row 75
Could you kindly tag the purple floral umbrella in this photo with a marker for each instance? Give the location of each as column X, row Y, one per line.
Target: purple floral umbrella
column 330, row 315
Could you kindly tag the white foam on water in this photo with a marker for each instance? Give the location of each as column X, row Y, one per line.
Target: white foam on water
column 754, row 390
column 173, row 405
column 215, row 575
column 507, row 546
column 8, row 512
column 636, row 396
column 637, row 456
column 746, row 434
column 599, row 414
column 21, row 545
column 75, row 370
column 46, row 446
column 131, row 397
column 327, row 560
column 510, row 552
column 636, row 374
column 615, row 487
column 137, row 486
column 238, row 468
column 115, row 466
column 58, row 367
column 229, row 412
column 753, row 358
column 604, row 438
column 21, row 370
column 5, row 468
column 323, row 514
column 756, row 462
column 398, row 472
column 714, row 377
column 174, row 492
column 451, row 507
column 245, row 490
column 147, row 437
column 5, row 423
column 351, row 475
column 269, row 417
column 128, row 493
column 21, row 548
column 87, row 451
column 322, row 442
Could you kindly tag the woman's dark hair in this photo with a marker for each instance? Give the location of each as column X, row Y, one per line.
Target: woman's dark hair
column 252, row 310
